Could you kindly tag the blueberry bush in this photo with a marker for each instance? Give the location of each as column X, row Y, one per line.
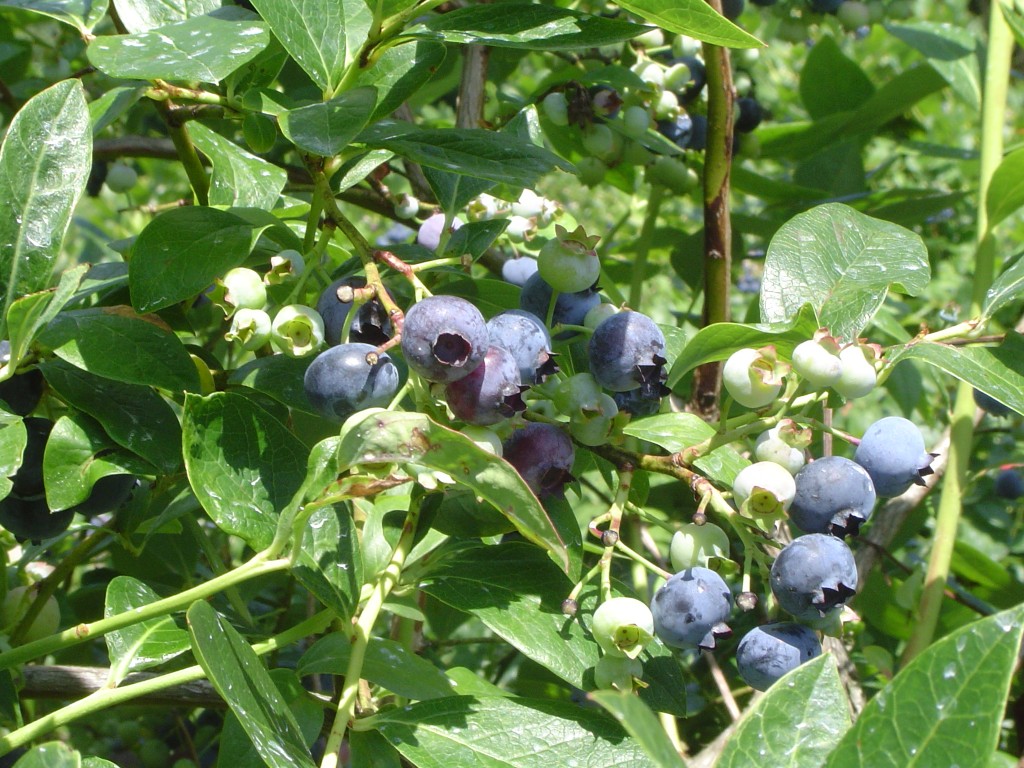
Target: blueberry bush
column 439, row 384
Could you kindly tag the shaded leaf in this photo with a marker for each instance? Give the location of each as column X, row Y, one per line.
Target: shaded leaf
column 27, row 315
column 104, row 110
column 143, row 645
column 327, row 128
column 399, row 72
column 277, row 376
column 951, row 50
column 831, row 82
column 45, row 161
column 240, row 179
column 642, row 725
column 83, row 15
column 330, row 562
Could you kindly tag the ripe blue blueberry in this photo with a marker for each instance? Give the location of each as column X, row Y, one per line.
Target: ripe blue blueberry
column 570, row 308
column 490, row 393
column 22, row 391
column 833, row 495
column 892, row 451
column 371, row 324
column 750, row 113
column 637, row 403
column 31, row 520
column 1009, row 484
column 814, row 576
column 444, row 338
column 691, row 609
column 627, row 351
column 348, row 378
column 543, row 455
column 523, row 334
column 767, row 653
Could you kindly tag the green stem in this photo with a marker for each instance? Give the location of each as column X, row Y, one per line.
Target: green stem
column 187, row 154
column 614, row 524
column 636, row 284
column 108, row 697
column 360, row 637
column 257, row 566
column 997, row 78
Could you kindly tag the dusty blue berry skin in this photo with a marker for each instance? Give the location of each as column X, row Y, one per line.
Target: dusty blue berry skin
column 767, row 653
column 523, row 334
column 490, row 393
column 833, row 495
column 1009, row 484
column 518, row 271
column 570, row 308
column 626, row 351
column 444, row 338
column 814, row 575
column 371, row 324
column 543, row 456
column 892, row 451
column 691, row 609
column 343, row 379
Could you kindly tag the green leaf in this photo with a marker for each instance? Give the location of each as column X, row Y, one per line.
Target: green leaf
column 44, row 163
column 240, row 179
column 243, row 464
column 83, row 15
column 831, row 82
column 944, row 708
column 53, row 754
column 330, row 564
column 454, row 190
column 204, row 48
column 490, row 155
column 195, row 244
column 104, row 110
column 399, row 72
column 677, row 431
column 996, row 371
column 143, row 645
column 642, row 725
column 395, row 437
column 244, row 683
column 388, row 664
column 720, row 340
column 323, row 36
column 134, row 416
column 531, row 27
column 78, row 454
column 694, row 18
column 842, row 263
column 1014, row 20
column 147, row 352
column 1006, row 189
column 795, row 723
column 13, row 438
column 894, row 98
column 327, row 128
column 500, row 731
column 277, row 376
column 1006, row 289
column 951, row 50
column 144, row 15
column 27, row 315
column 368, row 749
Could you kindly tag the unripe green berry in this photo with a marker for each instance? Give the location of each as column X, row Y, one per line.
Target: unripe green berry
column 556, row 108
column 251, row 328
column 121, row 177
column 623, row 626
column 16, row 605
column 297, row 330
column 694, row 545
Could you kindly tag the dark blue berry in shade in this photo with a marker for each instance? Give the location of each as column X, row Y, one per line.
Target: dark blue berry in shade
column 691, row 609
column 1009, row 484
column 833, row 495
column 444, row 338
column 813, row 576
column 108, row 494
column 825, row 6
column 570, row 308
column 371, row 324
column 637, row 403
column 490, row 393
column 732, row 9
column 605, row 101
column 677, row 130
column 28, row 480
column 892, row 451
column 31, row 520
column 749, row 114
column 699, row 136
column 767, row 653
column 348, row 378
column 989, row 404
column 543, row 456
column 764, row 3
column 627, row 351
column 525, row 337
column 22, row 391
column 698, row 77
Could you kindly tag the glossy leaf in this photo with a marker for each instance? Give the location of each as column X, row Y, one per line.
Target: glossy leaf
column 944, row 708
column 134, row 416
column 399, row 72
column 842, row 263
column 1007, row 288
column 244, row 683
column 44, row 163
column 1006, row 189
column 642, row 724
column 694, row 18
column 323, row 36
column 395, row 437
column 148, row 352
column 204, row 48
column 195, row 244
column 83, row 15
column 143, row 15
column 388, row 664
column 53, row 754
column 328, row 127
column 454, row 190
column 243, row 464
column 330, row 562
column 490, row 155
column 951, row 50
column 678, row 431
column 499, row 731
column 996, row 371
column 29, row 314
column 798, row 720
column 528, row 26
column 240, row 179
column 143, row 645
column 106, row 109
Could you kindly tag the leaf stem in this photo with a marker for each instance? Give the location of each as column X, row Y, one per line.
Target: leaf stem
column 186, row 153
column 636, row 285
